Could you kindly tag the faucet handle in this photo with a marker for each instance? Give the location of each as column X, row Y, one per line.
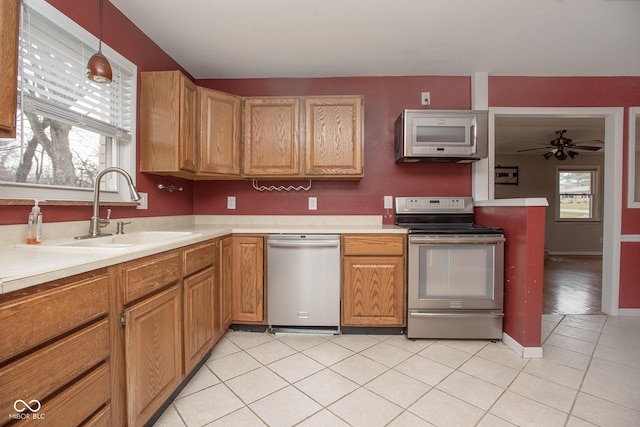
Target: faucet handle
column 105, row 221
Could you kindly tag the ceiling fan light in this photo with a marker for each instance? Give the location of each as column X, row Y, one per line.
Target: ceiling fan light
column 573, row 154
column 548, row 155
column 98, row 67
column 560, row 155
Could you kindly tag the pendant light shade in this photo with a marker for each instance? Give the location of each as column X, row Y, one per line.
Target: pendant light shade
column 98, row 67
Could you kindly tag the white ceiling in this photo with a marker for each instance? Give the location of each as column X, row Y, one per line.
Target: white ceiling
column 338, row 38
column 514, row 133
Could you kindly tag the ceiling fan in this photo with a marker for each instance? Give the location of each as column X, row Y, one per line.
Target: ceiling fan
column 559, row 144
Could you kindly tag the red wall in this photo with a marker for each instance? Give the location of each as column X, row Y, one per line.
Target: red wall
column 120, row 34
column 384, row 99
column 523, row 269
column 585, row 92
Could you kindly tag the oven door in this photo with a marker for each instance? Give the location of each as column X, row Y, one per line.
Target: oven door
column 456, row 272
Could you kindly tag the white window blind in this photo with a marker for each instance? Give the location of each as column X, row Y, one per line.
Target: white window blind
column 54, row 82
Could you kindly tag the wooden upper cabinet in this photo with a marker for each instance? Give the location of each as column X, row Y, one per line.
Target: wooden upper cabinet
column 220, row 134
column 168, row 113
column 9, row 23
column 271, row 137
column 333, row 136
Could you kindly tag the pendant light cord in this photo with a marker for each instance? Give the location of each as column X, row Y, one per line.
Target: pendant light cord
column 100, row 28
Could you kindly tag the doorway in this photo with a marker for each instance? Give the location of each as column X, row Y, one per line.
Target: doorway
column 612, row 198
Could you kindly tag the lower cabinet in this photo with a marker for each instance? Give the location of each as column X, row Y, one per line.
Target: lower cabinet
column 248, row 279
column 225, row 288
column 153, row 353
column 373, row 280
column 55, row 351
column 199, row 316
column 200, row 300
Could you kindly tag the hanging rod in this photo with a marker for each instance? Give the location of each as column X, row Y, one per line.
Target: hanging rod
column 169, row 188
column 281, row 187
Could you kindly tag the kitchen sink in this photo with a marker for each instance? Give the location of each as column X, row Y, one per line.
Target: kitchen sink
column 119, row 241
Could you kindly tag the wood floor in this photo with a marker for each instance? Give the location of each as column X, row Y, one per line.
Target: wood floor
column 572, row 285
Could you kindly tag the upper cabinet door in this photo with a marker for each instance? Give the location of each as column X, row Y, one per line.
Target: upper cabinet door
column 333, row 136
column 168, row 128
column 188, row 124
column 220, row 118
column 271, row 137
column 9, row 23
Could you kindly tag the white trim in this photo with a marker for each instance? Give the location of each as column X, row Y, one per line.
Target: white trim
column 520, row 350
column 612, row 215
column 634, row 112
column 480, row 170
column 634, row 238
column 629, row 312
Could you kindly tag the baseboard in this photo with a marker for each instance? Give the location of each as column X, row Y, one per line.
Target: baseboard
column 573, row 253
column 628, row 312
column 520, row 350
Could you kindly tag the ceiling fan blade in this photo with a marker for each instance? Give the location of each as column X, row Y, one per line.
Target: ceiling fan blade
column 590, row 141
column 586, row 147
column 542, row 147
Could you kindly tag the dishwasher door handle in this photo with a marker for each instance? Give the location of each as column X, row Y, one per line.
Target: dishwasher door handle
column 303, row 244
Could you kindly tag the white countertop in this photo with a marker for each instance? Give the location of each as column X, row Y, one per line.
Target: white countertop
column 519, row 202
column 22, row 266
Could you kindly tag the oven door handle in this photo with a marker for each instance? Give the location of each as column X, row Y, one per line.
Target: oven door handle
column 458, row 315
column 444, row 240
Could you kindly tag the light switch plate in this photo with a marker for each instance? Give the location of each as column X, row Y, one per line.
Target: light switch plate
column 388, row 202
column 313, row 203
column 143, row 203
column 231, row 202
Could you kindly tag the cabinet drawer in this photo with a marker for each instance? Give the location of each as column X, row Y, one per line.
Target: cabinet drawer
column 53, row 367
column 373, row 244
column 198, row 258
column 102, row 418
column 78, row 402
column 144, row 276
column 31, row 320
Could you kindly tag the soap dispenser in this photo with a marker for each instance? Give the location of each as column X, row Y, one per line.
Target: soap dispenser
column 34, row 235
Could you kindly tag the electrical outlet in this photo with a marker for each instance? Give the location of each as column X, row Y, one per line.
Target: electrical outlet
column 425, row 99
column 388, row 202
column 313, row 203
column 231, row 202
column 143, row 203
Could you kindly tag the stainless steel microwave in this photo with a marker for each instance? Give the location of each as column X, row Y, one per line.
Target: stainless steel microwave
column 444, row 135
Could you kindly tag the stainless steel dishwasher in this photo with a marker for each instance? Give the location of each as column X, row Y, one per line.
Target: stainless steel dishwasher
column 303, row 282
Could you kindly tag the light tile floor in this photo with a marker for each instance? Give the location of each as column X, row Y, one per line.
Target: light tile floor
column 589, row 375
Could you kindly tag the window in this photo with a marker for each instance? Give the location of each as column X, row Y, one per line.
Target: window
column 577, row 195
column 68, row 128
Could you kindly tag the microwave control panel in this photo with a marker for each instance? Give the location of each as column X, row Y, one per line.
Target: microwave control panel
column 434, row 204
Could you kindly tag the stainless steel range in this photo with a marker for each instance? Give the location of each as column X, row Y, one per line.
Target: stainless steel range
column 455, row 270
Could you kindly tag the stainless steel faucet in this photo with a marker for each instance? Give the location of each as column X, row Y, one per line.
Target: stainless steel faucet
column 96, row 222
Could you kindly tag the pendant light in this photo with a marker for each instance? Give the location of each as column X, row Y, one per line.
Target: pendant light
column 98, row 68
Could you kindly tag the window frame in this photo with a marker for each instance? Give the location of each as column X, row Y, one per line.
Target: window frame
column 595, row 193
column 125, row 151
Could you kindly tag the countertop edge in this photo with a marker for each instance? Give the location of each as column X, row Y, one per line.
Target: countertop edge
column 523, row 202
column 78, row 262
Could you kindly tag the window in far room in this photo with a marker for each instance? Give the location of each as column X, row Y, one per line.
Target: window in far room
column 577, row 194
column 67, row 127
